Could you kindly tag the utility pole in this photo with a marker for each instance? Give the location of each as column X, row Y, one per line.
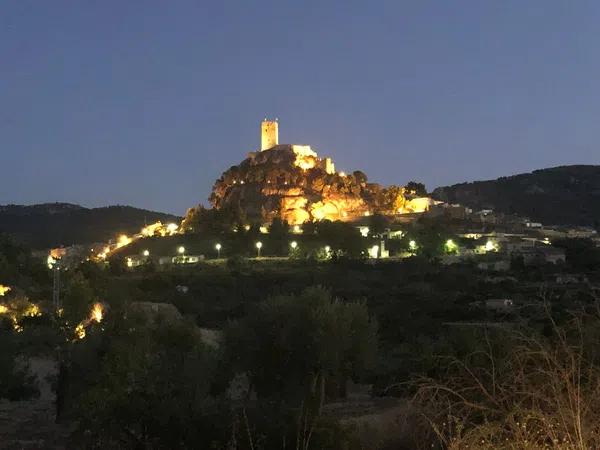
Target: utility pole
column 56, row 287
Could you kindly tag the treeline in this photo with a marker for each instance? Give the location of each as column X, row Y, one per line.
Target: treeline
column 320, row 240
column 146, row 381
column 60, row 224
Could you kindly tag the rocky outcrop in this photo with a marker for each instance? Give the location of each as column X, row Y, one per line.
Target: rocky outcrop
column 292, row 183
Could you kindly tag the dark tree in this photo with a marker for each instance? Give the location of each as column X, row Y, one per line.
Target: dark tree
column 416, row 188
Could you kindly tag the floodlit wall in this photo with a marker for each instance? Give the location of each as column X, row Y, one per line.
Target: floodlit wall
column 269, row 134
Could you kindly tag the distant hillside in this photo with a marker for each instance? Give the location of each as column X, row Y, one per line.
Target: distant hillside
column 55, row 224
column 566, row 195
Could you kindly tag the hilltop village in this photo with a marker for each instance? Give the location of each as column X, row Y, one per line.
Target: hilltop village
column 290, row 187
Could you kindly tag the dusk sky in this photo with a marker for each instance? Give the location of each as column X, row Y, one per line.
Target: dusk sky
column 146, row 103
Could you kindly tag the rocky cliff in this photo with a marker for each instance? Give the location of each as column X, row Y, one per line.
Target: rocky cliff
column 292, row 183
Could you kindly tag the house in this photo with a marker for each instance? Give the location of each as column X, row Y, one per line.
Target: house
column 571, row 278
column 181, row 259
column 136, row 260
column 581, row 232
column 536, row 225
column 499, row 304
column 187, row 259
column 499, row 265
column 501, row 279
column 518, row 245
column 541, row 254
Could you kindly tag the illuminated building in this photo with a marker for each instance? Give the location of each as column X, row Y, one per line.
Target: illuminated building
column 269, row 136
column 292, row 183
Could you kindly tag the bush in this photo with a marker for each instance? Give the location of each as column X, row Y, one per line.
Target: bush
column 237, row 263
column 16, row 383
column 519, row 390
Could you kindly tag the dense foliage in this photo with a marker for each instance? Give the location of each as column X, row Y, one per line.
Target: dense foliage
column 256, row 354
column 153, row 382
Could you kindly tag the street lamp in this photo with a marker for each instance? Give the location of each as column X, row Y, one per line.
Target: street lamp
column 258, row 247
column 181, row 250
column 218, row 248
column 146, row 253
column 293, row 247
column 412, row 245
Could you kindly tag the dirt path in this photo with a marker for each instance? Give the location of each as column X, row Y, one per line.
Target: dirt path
column 30, row 424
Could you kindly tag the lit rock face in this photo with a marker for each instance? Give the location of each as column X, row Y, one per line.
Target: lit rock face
column 292, row 183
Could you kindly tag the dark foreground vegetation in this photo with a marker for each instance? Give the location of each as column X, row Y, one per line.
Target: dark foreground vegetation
column 271, row 355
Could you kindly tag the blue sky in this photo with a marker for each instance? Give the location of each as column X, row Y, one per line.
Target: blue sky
column 146, row 102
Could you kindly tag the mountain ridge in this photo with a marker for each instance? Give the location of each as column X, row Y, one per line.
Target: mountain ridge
column 47, row 225
column 561, row 195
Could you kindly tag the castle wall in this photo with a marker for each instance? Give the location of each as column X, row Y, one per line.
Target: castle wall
column 329, row 166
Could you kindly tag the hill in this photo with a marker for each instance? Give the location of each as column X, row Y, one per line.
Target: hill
column 566, row 195
column 292, row 183
column 54, row 224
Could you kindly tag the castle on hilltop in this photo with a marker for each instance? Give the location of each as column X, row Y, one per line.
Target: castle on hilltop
column 292, row 183
column 306, row 157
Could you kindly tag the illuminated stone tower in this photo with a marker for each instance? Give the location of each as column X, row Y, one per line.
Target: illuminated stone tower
column 269, row 134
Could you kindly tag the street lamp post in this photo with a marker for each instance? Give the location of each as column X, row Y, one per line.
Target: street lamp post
column 412, row 245
column 293, row 247
column 218, row 248
column 258, row 247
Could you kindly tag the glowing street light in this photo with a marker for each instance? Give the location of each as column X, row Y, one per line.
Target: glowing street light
column 490, row 246
column 293, row 248
column 146, row 253
column 451, row 246
column 412, row 245
column 258, row 247
column 218, row 248
column 181, row 250
column 327, row 248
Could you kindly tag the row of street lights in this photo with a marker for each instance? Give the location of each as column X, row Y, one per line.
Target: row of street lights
column 449, row 245
column 259, row 245
column 293, row 246
column 218, row 247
